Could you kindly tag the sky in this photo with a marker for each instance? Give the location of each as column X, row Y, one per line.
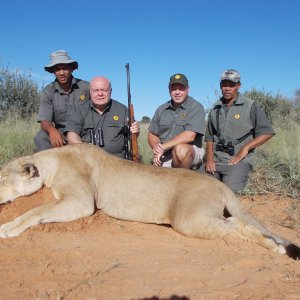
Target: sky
column 158, row 38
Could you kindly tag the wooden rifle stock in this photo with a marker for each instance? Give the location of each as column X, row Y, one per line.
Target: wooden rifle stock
column 133, row 137
column 134, row 151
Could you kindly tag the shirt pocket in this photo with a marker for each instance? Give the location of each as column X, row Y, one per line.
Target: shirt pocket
column 114, row 128
column 180, row 126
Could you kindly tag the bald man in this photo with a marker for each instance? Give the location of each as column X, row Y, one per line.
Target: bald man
column 103, row 116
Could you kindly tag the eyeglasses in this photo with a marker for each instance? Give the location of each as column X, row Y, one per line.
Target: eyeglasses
column 96, row 91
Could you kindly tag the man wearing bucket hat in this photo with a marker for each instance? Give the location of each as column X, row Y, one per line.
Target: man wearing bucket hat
column 177, row 128
column 57, row 99
column 236, row 126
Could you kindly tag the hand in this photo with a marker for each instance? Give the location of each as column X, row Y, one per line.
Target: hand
column 56, row 137
column 158, row 149
column 239, row 156
column 156, row 160
column 210, row 167
column 135, row 128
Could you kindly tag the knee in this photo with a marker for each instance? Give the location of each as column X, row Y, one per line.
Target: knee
column 182, row 152
column 41, row 141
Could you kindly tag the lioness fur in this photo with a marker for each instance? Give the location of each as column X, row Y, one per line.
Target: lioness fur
column 83, row 177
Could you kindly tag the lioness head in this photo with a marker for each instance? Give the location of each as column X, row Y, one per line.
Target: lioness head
column 19, row 178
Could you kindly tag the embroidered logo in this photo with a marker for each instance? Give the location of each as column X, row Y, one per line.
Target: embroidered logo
column 177, row 76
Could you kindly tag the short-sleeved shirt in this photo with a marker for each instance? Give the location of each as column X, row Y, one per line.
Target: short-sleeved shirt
column 234, row 123
column 168, row 121
column 56, row 104
column 84, row 117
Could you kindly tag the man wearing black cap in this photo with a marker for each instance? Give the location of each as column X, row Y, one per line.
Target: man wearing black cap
column 177, row 128
column 57, row 99
column 236, row 126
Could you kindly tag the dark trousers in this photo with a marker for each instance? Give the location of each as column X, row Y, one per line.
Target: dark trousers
column 234, row 176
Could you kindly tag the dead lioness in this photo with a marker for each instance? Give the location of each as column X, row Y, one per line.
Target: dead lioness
column 84, row 176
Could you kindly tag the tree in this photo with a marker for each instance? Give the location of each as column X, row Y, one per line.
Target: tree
column 145, row 119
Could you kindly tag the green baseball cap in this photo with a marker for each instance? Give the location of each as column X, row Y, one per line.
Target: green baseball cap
column 179, row 79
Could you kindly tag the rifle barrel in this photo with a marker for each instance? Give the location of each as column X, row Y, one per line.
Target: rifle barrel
column 133, row 137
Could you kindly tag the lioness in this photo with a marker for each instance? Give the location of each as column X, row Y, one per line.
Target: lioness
column 84, row 176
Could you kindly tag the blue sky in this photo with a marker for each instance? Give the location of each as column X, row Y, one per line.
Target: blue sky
column 260, row 38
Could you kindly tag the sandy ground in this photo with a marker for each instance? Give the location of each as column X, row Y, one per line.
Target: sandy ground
column 102, row 258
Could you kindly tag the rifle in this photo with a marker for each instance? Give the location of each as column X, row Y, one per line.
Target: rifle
column 134, row 152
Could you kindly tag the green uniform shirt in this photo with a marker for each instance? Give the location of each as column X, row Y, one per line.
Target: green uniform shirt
column 55, row 103
column 168, row 122
column 84, row 118
column 235, row 122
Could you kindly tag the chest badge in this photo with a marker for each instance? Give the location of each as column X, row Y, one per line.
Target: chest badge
column 116, row 118
column 82, row 97
column 183, row 116
column 237, row 116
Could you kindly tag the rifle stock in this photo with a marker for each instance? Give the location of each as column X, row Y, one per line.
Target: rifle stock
column 133, row 136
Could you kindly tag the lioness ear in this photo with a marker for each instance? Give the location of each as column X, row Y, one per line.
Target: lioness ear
column 31, row 170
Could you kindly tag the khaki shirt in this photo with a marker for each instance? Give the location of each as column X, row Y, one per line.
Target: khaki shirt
column 56, row 104
column 84, row 118
column 244, row 116
column 168, row 122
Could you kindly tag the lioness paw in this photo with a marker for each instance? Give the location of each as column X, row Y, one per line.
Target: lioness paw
column 8, row 230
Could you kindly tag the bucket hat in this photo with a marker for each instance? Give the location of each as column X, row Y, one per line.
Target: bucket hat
column 60, row 57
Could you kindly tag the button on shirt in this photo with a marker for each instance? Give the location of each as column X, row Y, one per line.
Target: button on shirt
column 84, row 118
column 56, row 104
column 168, row 122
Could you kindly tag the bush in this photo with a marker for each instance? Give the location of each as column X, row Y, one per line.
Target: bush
column 277, row 108
column 18, row 93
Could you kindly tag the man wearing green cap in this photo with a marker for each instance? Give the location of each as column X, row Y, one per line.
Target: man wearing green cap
column 177, row 127
column 57, row 99
column 236, row 126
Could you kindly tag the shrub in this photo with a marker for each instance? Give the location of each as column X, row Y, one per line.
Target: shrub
column 277, row 108
column 18, row 93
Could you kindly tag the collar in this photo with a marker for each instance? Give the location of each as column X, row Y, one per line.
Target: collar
column 58, row 88
column 183, row 105
column 239, row 100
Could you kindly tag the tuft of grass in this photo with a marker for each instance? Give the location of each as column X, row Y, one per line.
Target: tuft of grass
column 16, row 137
column 277, row 163
column 145, row 150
